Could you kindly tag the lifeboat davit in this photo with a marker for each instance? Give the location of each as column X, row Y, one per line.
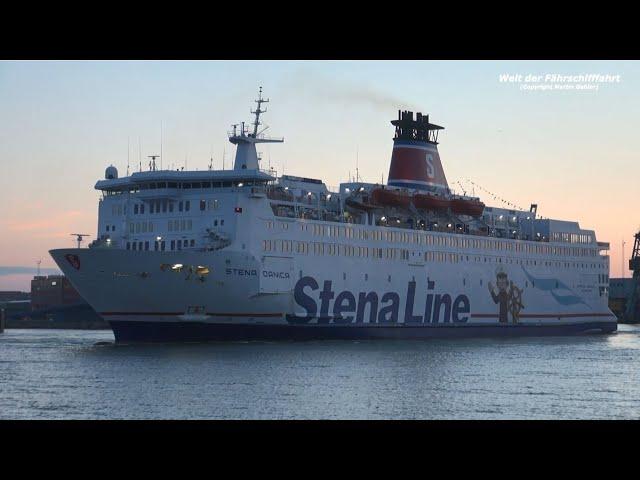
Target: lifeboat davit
column 467, row 206
column 430, row 202
column 360, row 204
column 390, row 198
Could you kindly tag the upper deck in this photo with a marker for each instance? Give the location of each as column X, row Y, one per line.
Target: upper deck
column 170, row 182
column 166, row 203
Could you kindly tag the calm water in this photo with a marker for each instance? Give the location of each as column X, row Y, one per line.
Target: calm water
column 58, row 374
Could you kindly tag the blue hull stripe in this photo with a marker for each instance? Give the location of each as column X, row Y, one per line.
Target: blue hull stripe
column 132, row 331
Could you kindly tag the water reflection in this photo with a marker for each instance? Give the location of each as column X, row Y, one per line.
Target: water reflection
column 64, row 374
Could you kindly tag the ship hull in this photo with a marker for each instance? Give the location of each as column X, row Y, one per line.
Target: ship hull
column 247, row 296
column 148, row 331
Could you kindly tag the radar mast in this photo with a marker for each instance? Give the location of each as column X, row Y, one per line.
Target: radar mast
column 246, row 154
column 257, row 112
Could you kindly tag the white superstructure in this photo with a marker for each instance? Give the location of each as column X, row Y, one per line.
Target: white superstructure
column 243, row 253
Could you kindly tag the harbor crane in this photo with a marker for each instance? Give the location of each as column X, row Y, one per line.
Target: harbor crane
column 632, row 311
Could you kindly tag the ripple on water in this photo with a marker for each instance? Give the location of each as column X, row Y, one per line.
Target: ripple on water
column 82, row 374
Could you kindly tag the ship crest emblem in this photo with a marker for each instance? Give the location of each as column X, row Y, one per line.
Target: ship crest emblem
column 73, row 260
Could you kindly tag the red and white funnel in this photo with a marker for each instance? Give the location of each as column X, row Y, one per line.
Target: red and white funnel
column 415, row 161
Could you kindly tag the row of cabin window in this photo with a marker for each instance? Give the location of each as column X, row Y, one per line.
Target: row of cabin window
column 140, row 227
column 162, row 207
column 193, row 185
column 172, row 225
column 334, row 249
column 602, row 290
column 161, row 245
column 179, row 225
column 571, row 237
column 165, row 206
column 435, row 240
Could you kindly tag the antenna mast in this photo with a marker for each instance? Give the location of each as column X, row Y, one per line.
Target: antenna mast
column 153, row 162
column 79, row 237
column 247, row 138
column 257, row 112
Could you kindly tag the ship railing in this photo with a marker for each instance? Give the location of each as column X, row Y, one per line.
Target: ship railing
column 104, row 242
column 278, row 193
column 215, row 241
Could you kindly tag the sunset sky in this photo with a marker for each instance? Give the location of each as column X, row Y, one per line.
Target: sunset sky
column 574, row 153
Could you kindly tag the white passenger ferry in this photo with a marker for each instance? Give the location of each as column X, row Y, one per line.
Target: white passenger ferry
column 245, row 254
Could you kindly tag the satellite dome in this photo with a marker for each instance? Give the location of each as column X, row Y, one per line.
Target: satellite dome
column 111, row 173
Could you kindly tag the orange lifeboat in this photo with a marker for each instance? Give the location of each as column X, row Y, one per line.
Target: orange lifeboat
column 431, row 202
column 390, row 198
column 467, row 206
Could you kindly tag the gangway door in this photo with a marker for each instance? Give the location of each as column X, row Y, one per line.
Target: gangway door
column 276, row 275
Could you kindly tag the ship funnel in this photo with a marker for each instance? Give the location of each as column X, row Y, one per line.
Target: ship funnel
column 415, row 161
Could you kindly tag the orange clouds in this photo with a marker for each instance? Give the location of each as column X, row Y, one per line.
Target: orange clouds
column 54, row 221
